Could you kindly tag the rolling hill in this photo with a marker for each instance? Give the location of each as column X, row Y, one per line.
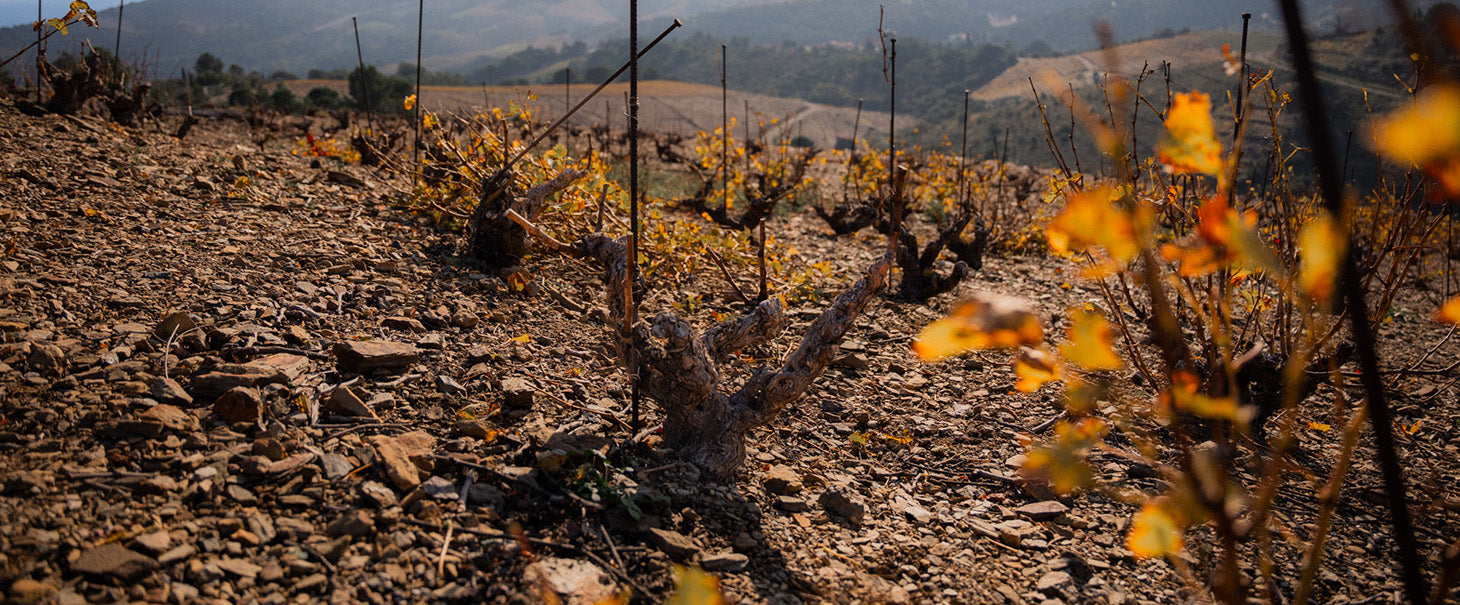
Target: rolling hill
column 265, row 35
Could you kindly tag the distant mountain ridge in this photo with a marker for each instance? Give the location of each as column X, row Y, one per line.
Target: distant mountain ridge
column 268, row 35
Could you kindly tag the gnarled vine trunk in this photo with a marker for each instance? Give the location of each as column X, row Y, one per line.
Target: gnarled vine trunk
column 496, row 241
column 679, row 368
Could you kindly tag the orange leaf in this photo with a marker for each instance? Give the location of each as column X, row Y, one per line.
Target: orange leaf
column 1194, row 260
column 1321, row 245
column 1090, row 343
column 1154, row 532
column 984, row 322
column 1189, row 143
column 1220, row 225
column 1449, row 312
column 1091, row 218
column 1319, row 426
column 410, row 102
column 1034, row 367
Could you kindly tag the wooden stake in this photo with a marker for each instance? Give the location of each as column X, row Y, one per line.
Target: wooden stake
column 892, row 144
column 416, row 147
column 1241, row 83
column 117, row 50
column 40, row 17
column 632, row 315
column 1406, row 547
column 724, row 132
column 963, row 150
column 364, row 88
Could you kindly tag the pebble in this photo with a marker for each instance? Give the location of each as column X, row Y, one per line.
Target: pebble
column 843, row 502
column 572, row 580
column 167, row 390
column 1043, row 511
column 781, row 480
column 449, row 386
column 238, row 567
column 47, row 359
column 335, row 465
column 918, row 514
column 345, row 402
column 356, row 524
column 239, row 404
column 404, row 324
column 792, row 504
column 177, row 555
column 725, row 562
column 26, row 590
column 517, row 394
column 678, row 546
column 1051, row 582
column 153, row 543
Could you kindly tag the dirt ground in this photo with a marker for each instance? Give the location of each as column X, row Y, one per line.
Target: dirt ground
column 182, row 374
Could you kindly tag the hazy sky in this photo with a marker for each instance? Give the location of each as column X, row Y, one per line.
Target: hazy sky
column 16, row 12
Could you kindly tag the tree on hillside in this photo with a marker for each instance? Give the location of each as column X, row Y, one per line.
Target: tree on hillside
column 386, row 93
column 208, row 62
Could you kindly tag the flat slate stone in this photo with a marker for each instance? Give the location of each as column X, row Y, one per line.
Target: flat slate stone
column 1043, row 511
column 366, row 355
column 114, row 560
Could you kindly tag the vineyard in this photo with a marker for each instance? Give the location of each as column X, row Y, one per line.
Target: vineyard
column 756, row 350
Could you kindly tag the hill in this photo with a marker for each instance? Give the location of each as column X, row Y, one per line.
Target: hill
column 463, row 35
column 298, row 36
column 1358, row 72
column 668, row 107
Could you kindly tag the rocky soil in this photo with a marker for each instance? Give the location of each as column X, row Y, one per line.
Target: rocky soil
column 234, row 375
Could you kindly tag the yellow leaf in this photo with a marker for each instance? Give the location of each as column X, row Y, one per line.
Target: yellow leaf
column 1154, row 532
column 429, row 121
column 1319, row 426
column 1320, row 245
column 1090, row 345
column 1183, row 396
column 1034, row 367
column 58, row 25
column 1189, row 143
column 986, row 321
column 524, row 339
column 1449, row 312
column 1063, row 463
column 693, row 586
column 1091, row 218
column 410, row 102
column 1425, row 131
